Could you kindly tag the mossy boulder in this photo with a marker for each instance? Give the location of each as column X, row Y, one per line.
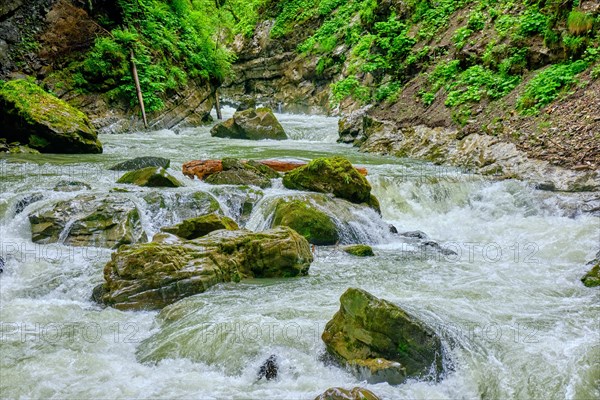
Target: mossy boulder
column 251, row 124
column 153, row 275
column 592, row 278
column 236, row 172
column 34, row 117
column 334, row 175
column 359, row 250
column 150, row 177
column 200, row 226
column 312, row 223
column 356, row 393
column 378, row 341
column 87, row 220
column 140, row 163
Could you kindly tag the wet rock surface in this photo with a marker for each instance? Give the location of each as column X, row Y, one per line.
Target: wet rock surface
column 88, row 220
column 380, row 342
column 153, row 275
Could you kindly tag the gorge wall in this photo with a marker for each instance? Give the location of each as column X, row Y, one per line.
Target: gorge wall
column 501, row 88
column 47, row 40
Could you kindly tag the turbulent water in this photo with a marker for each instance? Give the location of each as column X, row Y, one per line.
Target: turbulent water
column 516, row 320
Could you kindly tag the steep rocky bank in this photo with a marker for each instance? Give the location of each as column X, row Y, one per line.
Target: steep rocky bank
column 478, row 122
column 47, row 39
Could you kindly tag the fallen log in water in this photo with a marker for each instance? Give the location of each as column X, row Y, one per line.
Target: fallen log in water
column 203, row 168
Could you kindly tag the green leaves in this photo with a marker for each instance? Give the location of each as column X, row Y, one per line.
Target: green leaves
column 548, row 84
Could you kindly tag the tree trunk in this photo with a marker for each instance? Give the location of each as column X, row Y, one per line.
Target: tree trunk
column 218, row 105
column 138, row 89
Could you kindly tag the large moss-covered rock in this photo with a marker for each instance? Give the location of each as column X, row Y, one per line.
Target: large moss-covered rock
column 312, row 223
column 356, row 393
column 87, row 220
column 252, row 124
column 378, row 341
column 200, row 226
column 140, row 163
column 236, row 172
column 330, row 175
column 150, row 177
column 34, row 117
column 153, row 275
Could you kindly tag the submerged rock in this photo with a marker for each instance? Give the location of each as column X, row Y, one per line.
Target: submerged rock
column 87, row 220
column 166, row 208
column 269, row 369
column 71, row 186
column 200, row 226
column 356, row 393
column 26, row 201
column 359, row 250
column 150, row 177
column 330, row 175
column 252, row 124
column 34, row 117
column 140, row 163
column 592, row 278
column 379, row 342
column 316, row 226
column 153, row 275
column 239, row 200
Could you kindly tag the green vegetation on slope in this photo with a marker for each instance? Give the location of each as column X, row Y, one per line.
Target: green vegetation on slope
column 174, row 42
column 470, row 51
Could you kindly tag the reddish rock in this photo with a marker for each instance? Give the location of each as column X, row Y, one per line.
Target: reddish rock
column 202, row 168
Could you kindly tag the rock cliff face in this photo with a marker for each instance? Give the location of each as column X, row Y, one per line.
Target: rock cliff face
column 40, row 38
column 276, row 75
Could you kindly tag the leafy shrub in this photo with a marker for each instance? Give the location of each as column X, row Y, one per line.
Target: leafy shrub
column 548, row 84
column 460, row 37
column 349, row 87
column 476, row 82
column 388, row 91
column 476, row 21
column 171, row 43
column 533, row 22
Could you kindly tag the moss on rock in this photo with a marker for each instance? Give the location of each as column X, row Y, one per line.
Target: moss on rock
column 592, row 278
column 200, row 226
column 251, row 124
column 359, row 250
column 338, row 393
column 334, row 175
column 150, row 177
column 371, row 336
column 316, row 226
column 153, row 275
column 32, row 116
column 236, row 172
column 87, row 220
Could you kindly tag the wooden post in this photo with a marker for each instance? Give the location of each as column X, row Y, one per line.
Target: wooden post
column 218, row 105
column 138, row 89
